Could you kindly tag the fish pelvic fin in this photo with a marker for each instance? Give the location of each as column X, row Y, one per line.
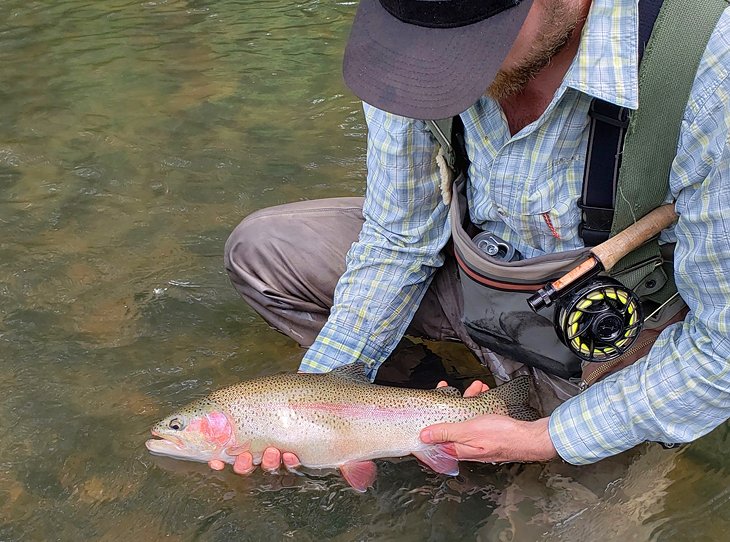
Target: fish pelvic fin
column 515, row 395
column 359, row 474
column 440, row 458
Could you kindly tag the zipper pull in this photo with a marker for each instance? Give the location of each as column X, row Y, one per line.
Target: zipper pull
column 579, row 382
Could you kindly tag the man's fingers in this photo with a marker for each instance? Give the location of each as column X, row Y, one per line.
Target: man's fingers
column 291, row 461
column 271, row 459
column 475, row 388
column 244, row 464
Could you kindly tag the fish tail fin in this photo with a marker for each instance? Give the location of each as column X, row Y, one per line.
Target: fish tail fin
column 515, row 394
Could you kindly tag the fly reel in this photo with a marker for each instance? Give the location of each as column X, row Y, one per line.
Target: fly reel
column 599, row 321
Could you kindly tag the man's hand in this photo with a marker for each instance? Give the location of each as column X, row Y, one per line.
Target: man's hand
column 270, row 461
column 492, row 438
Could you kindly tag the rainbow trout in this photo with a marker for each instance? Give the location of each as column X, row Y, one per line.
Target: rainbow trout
column 331, row 420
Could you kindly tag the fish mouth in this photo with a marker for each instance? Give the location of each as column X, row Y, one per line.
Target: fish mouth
column 164, row 444
column 172, row 446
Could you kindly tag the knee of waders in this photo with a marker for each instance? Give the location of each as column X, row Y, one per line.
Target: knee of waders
column 252, row 243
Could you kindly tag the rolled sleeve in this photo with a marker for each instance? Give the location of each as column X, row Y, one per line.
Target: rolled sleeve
column 583, row 430
column 678, row 393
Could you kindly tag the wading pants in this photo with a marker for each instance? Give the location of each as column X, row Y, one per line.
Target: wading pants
column 285, row 262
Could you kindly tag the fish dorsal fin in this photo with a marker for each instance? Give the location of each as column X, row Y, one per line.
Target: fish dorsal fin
column 449, row 390
column 515, row 394
column 354, row 371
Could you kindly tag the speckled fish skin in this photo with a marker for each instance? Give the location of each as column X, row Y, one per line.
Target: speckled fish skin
column 328, row 420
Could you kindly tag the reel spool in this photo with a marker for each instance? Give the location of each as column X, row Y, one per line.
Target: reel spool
column 599, row 321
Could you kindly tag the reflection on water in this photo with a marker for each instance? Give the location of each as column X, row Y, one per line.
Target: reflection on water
column 134, row 136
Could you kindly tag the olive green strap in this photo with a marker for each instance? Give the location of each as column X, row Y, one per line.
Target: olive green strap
column 667, row 72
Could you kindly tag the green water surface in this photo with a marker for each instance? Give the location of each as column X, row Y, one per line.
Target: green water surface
column 133, row 137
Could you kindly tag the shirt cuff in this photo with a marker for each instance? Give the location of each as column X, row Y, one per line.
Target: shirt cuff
column 334, row 349
column 586, row 428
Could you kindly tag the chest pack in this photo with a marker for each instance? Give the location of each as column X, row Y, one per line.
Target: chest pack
column 602, row 321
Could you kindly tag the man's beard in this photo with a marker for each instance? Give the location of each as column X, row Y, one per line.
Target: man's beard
column 560, row 22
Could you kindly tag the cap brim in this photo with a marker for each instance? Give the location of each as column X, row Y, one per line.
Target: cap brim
column 425, row 73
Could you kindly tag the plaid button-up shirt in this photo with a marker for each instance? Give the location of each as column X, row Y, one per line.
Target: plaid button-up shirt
column 525, row 189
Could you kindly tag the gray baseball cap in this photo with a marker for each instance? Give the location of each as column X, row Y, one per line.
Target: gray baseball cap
column 429, row 59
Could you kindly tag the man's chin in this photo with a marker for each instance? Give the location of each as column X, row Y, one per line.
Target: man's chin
column 507, row 83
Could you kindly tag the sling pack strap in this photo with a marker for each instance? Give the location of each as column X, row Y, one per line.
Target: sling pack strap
column 668, row 69
column 450, row 135
column 608, row 124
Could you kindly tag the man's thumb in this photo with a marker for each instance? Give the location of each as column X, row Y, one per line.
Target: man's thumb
column 436, row 434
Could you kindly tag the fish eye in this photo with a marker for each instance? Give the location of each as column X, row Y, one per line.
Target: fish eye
column 176, row 424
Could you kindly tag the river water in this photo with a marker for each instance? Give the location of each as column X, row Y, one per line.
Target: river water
column 133, row 137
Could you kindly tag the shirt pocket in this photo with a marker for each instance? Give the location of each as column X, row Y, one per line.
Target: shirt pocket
column 550, row 214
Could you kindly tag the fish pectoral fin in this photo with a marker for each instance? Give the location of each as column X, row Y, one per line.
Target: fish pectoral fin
column 440, row 458
column 359, row 474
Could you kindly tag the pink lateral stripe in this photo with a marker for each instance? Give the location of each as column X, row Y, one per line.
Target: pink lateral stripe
column 358, row 411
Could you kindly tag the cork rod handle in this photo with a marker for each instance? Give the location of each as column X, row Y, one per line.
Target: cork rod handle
column 611, row 251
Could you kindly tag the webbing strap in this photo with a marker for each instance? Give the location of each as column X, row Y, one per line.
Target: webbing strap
column 608, row 124
column 667, row 72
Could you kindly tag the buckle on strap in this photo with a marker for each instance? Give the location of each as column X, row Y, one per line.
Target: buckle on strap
column 610, row 113
column 596, row 218
column 592, row 238
column 595, row 227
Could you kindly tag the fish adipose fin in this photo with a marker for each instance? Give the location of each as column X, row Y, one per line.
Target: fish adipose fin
column 354, row 371
column 441, row 458
column 359, row 474
column 516, row 396
column 449, row 390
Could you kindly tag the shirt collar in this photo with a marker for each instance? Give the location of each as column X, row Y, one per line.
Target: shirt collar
column 607, row 65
